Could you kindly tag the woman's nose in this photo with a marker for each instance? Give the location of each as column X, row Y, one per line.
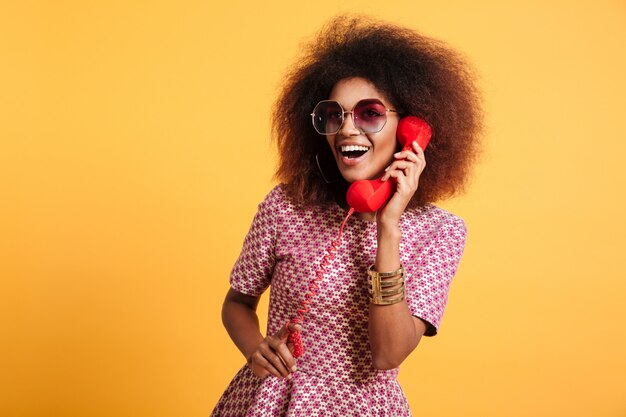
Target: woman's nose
column 348, row 128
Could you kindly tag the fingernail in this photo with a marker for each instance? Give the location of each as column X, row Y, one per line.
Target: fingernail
column 294, row 368
column 396, row 154
column 288, row 376
column 387, row 169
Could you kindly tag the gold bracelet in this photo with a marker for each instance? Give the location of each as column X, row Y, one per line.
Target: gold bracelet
column 390, row 282
column 385, row 292
column 388, row 301
column 380, row 282
column 371, row 272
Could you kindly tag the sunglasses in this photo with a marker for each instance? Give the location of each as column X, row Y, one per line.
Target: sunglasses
column 369, row 116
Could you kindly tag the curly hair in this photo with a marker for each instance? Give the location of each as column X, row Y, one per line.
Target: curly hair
column 420, row 76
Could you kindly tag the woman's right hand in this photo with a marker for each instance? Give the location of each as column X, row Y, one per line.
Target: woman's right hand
column 275, row 354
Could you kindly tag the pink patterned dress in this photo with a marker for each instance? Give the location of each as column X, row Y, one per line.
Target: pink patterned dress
column 335, row 376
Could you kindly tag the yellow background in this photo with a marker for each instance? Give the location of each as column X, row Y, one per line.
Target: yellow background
column 135, row 148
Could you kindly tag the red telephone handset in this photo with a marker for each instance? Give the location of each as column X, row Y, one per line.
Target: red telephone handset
column 369, row 195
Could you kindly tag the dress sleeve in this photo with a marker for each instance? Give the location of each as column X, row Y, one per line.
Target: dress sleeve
column 429, row 277
column 252, row 271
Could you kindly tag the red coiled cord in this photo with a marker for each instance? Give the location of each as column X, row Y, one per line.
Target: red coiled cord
column 294, row 335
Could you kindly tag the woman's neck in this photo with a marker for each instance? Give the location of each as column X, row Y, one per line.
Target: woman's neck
column 367, row 217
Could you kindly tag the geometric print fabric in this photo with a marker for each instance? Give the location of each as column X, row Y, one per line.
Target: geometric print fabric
column 335, row 376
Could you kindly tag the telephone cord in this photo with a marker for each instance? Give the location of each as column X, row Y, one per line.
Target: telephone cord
column 331, row 251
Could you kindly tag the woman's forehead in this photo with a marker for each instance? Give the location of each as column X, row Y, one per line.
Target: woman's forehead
column 349, row 91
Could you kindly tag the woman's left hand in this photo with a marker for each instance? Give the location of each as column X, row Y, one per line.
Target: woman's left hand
column 405, row 171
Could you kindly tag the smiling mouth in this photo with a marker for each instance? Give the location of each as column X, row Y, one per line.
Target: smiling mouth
column 353, row 151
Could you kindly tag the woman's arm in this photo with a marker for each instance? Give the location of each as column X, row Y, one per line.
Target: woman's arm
column 265, row 355
column 241, row 321
column 393, row 331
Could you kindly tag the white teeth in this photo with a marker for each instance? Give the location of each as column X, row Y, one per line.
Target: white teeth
column 351, row 148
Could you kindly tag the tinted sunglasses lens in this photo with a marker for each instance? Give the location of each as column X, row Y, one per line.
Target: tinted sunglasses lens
column 370, row 116
column 327, row 117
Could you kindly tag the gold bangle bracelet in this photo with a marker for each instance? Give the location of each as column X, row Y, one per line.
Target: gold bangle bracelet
column 395, row 291
column 371, row 272
column 390, row 282
column 380, row 284
column 387, row 301
column 387, row 291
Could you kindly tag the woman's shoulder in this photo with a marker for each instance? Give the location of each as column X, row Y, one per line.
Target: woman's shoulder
column 434, row 216
column 276, row 194
column 277, row 198
column 278, row 202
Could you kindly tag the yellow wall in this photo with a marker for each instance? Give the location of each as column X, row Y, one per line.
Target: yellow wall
column 135, row 147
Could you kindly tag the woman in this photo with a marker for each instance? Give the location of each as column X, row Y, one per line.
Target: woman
column 366, row 75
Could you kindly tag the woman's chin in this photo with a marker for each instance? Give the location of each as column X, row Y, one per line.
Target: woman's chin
column 353, row 178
